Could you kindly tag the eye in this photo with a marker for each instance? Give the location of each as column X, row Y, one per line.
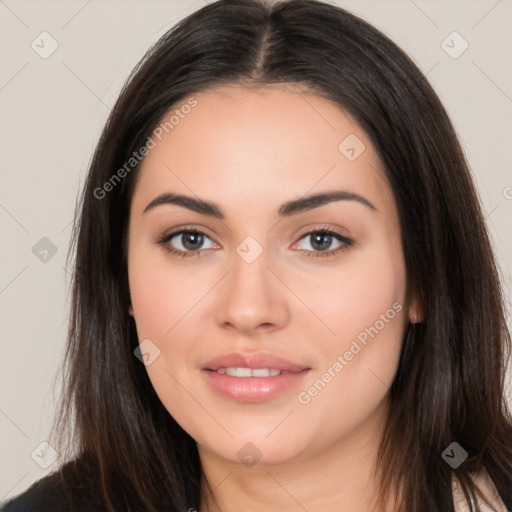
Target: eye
column 186, row 242
column 321, row 241
column 191, row 242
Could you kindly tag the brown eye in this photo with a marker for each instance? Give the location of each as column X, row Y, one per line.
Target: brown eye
column 190, row 240
column 186, row 242
column 321, row 242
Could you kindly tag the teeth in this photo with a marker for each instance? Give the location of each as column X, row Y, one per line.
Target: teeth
column 239, row 372
column 264, row 372
column 248, row 372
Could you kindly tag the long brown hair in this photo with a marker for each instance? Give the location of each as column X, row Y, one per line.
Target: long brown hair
column 450, row 382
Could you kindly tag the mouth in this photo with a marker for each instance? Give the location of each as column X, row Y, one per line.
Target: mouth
column 251, row 372
column 257, row 362
column 253, row 377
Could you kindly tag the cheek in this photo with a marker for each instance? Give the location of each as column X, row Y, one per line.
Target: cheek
column 160, row 293
column 353, row 296
column 362, row 303
column 161, row 297
column 154, row 304
column 365, row 307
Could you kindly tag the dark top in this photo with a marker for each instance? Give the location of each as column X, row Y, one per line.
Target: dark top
column 49, row 495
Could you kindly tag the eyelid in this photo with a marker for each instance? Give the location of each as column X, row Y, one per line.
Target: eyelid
column 167, row 234
column 322, row 227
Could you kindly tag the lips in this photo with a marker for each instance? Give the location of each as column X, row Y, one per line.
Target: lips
column 253, row 377
column 254, row 362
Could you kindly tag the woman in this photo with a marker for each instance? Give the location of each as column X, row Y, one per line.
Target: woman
column 284, row 293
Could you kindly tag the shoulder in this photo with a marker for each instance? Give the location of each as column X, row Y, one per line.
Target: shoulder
column 50, row 494
column 44, row 495
column 486, row 486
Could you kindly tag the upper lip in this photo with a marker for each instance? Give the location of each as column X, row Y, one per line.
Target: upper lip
column 253, row 361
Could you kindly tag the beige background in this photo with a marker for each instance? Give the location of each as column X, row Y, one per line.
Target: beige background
column 51, row 114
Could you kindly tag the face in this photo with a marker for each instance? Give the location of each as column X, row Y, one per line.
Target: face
column 265, row 279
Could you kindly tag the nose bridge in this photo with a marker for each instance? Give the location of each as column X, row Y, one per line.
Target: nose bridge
column 252, row 296
column 250, row 270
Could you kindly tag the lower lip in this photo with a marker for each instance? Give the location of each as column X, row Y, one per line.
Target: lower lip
column 253, row 389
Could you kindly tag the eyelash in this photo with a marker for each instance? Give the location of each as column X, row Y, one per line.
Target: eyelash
column 165, row 238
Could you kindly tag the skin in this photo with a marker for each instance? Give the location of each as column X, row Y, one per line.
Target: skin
column 250, row 151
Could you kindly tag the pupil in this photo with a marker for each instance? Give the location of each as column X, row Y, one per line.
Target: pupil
column 192, row 240
column 321, row 241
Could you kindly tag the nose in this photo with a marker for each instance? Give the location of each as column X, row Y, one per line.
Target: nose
column 252, row 299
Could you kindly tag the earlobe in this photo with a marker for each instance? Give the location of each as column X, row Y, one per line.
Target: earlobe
column 415, row 312
column 130, row 310
column 415, row 316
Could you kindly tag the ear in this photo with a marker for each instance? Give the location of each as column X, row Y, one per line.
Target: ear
column 130, row 310
column 415, row 311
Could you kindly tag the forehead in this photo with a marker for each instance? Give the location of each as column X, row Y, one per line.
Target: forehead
column 257, row 146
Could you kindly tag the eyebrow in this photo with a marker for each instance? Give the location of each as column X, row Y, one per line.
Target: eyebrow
column 285, row 210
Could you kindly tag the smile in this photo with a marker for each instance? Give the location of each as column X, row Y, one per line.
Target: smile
column 250, row 372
